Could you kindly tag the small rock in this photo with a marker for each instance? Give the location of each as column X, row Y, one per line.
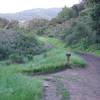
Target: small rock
column 45, row 84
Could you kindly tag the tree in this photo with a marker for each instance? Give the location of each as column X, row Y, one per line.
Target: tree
column 13, row 24
column 36, row 23
column 66, row 14
column 77, row 8
column 18, row 43
column 95, row 15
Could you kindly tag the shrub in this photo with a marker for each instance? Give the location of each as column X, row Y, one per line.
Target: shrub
column 16, row 58
column 3, row 54
column 16, row 42
column 80, row 33
column 3, row 22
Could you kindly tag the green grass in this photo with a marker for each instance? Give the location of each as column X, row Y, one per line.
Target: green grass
column 53, row 61
column 96, row 52
column 93, row 49
column 53, row 41
column 17, row 86
column 77, row 61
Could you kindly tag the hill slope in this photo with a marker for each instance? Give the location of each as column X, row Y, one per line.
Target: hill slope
column 33, row 13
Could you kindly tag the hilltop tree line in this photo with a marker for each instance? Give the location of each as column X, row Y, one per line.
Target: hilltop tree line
column 78, row 26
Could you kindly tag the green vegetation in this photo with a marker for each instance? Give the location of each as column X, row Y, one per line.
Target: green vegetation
column 66, row 14
column 94, row 13
column 15, row 43
column 40, row 47
column 97, row 52
column 78, row 26
column 52, row 60
column 15, row 86
column 56, row 43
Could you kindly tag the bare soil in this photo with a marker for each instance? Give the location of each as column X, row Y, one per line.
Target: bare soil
column 82, row 84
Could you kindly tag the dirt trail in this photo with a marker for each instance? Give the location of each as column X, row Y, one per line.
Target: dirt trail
column 50, row 91
column 82, row 84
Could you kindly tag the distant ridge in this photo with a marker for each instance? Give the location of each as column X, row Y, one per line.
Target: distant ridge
column 32, row 13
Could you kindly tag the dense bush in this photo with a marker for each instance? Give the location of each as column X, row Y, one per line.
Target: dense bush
column 3, row 22
column 95, row 15
column 6, row 24
column 79, row 31
column 78, row 26
column 74, row 30
column 16, row 58
column 66, row 14
column 15, row 42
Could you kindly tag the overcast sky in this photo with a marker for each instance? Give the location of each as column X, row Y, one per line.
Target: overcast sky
column 12, row 6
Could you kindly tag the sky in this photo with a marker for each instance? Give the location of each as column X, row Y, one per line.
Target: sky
column 13, row 6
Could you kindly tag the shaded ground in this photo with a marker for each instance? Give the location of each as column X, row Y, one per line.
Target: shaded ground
column 82, row 84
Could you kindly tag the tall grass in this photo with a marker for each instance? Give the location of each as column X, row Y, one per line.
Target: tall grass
column 15, row 86
column 54, row 60
column 97, row 52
